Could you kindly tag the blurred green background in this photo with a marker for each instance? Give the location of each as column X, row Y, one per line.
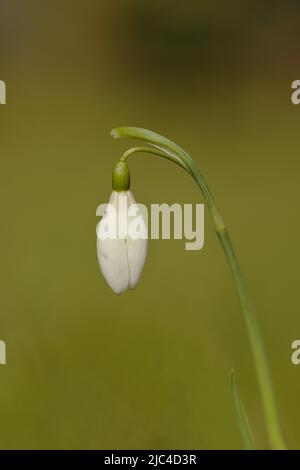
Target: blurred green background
column 150, row 369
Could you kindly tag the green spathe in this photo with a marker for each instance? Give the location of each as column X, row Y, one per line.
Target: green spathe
column 121, row 177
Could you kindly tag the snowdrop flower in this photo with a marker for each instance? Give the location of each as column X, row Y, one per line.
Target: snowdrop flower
column 122, row 235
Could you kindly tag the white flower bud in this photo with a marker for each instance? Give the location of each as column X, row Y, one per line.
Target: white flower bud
column 121, row 250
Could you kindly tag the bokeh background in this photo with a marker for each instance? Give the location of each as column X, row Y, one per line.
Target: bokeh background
column 150, row 369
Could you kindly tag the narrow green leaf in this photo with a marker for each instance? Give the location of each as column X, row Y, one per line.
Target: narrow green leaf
column 241, row 416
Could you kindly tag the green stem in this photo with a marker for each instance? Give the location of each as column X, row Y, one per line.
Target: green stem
column 173, row 152
column 258, row 350
column 155, row 150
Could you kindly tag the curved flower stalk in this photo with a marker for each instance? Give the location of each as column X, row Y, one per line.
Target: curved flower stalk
column 165, row 148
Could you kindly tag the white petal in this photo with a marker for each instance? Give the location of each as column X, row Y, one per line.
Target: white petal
column 136, row 249
column 113, row 261
column 112, row 255
column 137, row 253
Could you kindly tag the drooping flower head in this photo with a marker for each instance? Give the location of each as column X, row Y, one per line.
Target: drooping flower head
column 122, row 235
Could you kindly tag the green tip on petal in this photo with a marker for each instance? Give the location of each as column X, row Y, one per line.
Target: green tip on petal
column 121, row 177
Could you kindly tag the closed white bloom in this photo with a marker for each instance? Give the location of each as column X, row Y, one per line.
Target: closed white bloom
column 122, row 242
